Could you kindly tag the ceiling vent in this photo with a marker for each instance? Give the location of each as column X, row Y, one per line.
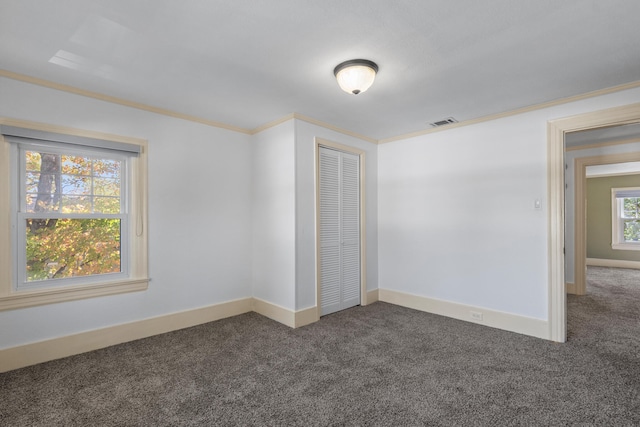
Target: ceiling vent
column 444, row 122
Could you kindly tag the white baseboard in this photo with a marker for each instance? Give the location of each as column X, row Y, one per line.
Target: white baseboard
column 56, row 348
column 372, row 296
column 616, row 263
column 570, row 288
column 306, row 317
column 293, row 319
column 274, row 312
column 495, row 319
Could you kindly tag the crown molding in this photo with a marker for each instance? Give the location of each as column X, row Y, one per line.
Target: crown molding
column 490, row 117
column 213, row 123
column 119, row 101
column 311, row 120
column 170, row 113
column 273, row 123
column 334, row 128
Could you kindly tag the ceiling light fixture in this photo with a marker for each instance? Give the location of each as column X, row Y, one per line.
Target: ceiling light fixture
column 356, row 75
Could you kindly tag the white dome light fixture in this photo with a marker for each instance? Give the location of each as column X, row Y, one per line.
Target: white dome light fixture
column 356, row 75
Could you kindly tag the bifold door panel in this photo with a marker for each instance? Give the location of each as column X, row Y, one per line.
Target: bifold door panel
column 339, row 188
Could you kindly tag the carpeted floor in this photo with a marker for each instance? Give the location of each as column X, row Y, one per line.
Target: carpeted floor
column 374, row 365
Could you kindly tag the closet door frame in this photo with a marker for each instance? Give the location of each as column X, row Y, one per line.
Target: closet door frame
column 363, row 276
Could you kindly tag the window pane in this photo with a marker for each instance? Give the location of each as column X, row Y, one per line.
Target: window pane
column 76, row 204
column 42, row 203
column 46, row 183
column 75, row 184
column 631, row 231
column 106, row 168
column 106, row 187
column 106, row 205
column 72, row 247
column 76, row 165
column 32, row 182
column 33, row 161
column 631, row 207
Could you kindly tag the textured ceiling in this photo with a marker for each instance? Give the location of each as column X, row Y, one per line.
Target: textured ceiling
column 248, row 62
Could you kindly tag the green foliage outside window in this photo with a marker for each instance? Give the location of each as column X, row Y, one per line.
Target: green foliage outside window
column 631, row 217
column 86, row 188
column 72, row 247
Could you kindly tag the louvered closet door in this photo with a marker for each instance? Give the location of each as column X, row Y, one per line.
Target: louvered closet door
column 339, row 230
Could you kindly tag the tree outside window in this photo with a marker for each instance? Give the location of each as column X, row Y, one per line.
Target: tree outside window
column 72, row 215
column 631, row 218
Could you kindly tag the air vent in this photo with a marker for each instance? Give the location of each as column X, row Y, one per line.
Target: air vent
column 444, row 122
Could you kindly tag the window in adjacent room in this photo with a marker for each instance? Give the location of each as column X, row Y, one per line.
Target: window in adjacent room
column 626, row 218
column 76, row 227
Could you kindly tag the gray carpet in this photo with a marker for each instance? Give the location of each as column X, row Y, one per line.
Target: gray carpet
column 374, row 365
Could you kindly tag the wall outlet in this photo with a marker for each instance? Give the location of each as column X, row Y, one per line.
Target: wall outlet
column 476, row 315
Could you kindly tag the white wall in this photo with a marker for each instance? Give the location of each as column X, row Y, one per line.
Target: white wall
column 273, row 170
column 230, row 215
column 306, row 208
column 284, row 247
column 456, row 211
column 570, row 157
column 451, row 212
column 199, row 214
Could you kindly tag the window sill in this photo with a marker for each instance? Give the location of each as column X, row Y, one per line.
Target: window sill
column 32, row 298
column 626, row 246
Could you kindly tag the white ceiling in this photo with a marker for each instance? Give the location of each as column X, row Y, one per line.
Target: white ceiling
column 248, row 62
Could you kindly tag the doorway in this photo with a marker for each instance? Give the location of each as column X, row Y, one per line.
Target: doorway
column 340, row 230
column 581, row 164
column 557, row 129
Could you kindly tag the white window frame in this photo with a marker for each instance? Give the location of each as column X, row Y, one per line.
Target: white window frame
column 19, row 150
column 134, row 261
column 617, row 220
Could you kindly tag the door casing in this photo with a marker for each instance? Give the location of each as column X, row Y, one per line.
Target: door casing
column 556, row 130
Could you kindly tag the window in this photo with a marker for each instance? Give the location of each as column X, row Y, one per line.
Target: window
column 77, row 208
column 626, row 218
column 72, row 216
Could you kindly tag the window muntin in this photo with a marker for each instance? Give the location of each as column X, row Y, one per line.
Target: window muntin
column 72, row 220
column 625, row 218
column 71, row 183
